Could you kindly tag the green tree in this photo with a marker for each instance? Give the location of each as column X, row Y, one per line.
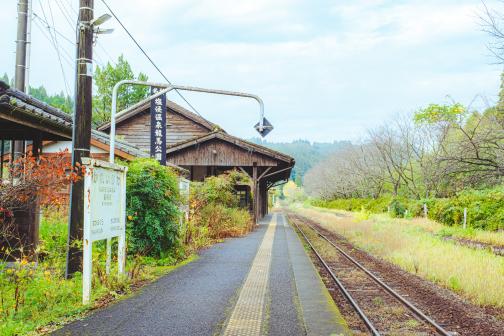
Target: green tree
column 105, row 79
column 435, row 113
column 60, row 101
column 5, row 78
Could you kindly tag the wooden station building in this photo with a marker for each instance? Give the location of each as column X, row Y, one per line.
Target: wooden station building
column 196, row 147
column 204, row 149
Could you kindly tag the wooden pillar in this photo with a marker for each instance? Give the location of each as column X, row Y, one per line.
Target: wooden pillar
column 35, row 224
column 259, row 200
column 2, row 152
column 255, row 190
column 265, row 200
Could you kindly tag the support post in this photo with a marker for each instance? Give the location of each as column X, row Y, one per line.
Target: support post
column 81, row 135
column 255, row 190
column 36, row 148
column 20, row 71
column 465, row 218
column 21, row 42
column 2, row 152
column 121, row 253
column 87, row 246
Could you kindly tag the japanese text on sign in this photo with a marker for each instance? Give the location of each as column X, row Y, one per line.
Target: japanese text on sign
column 158, row 127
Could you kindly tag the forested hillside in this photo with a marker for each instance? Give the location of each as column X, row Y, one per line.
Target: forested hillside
column 306, row 153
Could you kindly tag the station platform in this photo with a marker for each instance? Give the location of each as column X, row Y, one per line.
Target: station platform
column 261, row 284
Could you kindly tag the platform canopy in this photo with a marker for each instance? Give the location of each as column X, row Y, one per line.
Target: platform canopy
column 217, row 152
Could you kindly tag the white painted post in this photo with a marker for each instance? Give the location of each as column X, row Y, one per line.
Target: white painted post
column 87, row 246
column 425, row 211
column 109, row 256
column 465, row 218
column 121, row 253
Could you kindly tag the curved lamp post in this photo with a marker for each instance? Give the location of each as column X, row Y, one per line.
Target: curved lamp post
column 167, row 88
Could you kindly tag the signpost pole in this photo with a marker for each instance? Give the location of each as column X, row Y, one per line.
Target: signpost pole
column 121, row 253
column 109, row 256
column 87, row 265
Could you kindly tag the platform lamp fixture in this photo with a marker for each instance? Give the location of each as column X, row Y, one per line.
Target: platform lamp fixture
column 95, row 23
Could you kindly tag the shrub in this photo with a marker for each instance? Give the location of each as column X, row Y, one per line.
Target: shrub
column 485, row 208
column 223, row 222
column 215, row 211
column 397, row 208
column 153, row 215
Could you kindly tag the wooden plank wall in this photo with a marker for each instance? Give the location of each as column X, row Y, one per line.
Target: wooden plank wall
column 219, row 153
column 136, row 130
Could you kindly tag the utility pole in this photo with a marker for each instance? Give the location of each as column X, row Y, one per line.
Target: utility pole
column 29, row 218
column 81, row 135
column 20, row 71
column 21, row 42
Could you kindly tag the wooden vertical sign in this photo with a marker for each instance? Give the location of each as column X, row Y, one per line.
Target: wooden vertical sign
column 158, row 127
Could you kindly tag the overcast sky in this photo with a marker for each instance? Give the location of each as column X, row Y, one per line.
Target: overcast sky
column 326, row 70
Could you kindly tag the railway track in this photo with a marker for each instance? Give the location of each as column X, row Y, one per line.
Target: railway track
column 364, row 291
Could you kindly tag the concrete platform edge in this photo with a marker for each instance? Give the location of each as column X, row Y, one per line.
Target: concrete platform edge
column 320, row 314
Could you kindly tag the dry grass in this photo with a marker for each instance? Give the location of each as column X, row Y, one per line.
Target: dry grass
column 477, row 275
column 476, row 235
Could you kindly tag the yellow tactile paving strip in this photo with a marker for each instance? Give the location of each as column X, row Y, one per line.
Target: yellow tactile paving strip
column 247, row 316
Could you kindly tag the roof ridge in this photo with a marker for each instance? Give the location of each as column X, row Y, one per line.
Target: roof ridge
column 170, row 104
column 24, row 97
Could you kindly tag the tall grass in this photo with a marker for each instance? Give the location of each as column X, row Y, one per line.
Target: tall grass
column 35, row 295
column 477, row 275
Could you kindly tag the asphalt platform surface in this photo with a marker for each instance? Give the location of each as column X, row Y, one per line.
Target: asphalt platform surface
column 198, row 298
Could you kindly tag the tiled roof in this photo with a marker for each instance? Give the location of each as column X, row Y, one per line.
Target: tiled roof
column 33, row 108
column 21, row 102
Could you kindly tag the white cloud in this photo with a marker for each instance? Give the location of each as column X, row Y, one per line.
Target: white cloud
column 323, row 74
column 241, row 12
column 412, row 22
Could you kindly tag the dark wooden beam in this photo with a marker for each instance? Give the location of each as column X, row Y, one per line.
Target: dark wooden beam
column 255, row 191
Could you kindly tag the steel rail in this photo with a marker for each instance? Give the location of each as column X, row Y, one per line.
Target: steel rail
column 392, row 292
column 345, row 292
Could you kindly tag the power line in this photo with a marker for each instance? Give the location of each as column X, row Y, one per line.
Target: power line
column 53, row 28
column 66, row 14
column 67, row 58
column 54, row 39
column 146, row 55
column 56, row 45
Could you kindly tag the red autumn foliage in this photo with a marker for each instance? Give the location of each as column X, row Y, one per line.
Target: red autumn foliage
column 33, row 178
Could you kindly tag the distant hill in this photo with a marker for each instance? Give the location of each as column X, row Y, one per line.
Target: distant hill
column 305, row 153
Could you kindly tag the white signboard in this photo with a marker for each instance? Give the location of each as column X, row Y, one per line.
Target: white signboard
column 106, row 205
column 184, row 185
column 104, row 213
